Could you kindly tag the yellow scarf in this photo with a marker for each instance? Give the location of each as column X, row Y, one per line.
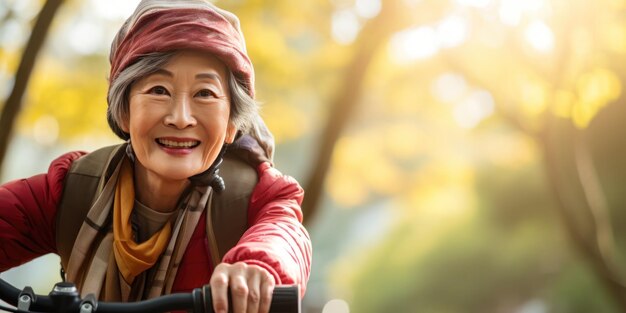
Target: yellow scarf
column 133, row 258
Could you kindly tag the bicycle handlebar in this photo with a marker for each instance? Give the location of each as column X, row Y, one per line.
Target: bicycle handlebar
column 64, row 298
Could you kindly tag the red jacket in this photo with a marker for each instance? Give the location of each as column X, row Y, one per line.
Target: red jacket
column 275, row 240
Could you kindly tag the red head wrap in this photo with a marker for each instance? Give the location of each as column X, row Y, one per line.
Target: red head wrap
column 176, row 29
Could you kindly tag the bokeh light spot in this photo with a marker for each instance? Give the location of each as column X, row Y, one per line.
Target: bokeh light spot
column 345, row 26
column 415, row 43
column 540, row 36
column 367, row 8
column 336, row 306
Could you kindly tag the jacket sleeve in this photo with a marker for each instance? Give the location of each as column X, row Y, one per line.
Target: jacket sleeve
column 27, row 213
column 276, row 239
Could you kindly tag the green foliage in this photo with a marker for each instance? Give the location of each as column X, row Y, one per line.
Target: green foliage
column 512, row 251
column 577, row 290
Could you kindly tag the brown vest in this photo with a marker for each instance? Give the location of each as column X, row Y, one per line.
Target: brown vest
column 86, row 178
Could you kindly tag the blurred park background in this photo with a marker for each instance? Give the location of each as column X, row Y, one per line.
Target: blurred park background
column 458, row 155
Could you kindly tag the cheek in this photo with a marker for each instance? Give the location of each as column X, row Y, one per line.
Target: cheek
column 137, row 125
column 141, row 118
column 215, row 120
column 216, row 126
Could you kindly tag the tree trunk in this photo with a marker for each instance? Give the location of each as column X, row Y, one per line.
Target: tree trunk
column 374, row 34
column 583, row 239
column 13, row 103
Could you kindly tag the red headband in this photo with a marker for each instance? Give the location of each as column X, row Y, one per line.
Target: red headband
column 177, row 29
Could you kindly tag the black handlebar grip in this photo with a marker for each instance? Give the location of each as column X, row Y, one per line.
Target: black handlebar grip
column 285, row 299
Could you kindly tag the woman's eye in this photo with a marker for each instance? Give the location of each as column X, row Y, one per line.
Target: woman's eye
column 158, row 90
column 206, row 93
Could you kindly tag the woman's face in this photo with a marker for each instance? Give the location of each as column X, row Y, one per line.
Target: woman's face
column 179, row 116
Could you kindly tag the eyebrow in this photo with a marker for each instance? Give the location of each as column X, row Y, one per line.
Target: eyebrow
column 163, row 72
column 212, row 76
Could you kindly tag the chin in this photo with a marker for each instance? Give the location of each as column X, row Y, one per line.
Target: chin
column 177, row 173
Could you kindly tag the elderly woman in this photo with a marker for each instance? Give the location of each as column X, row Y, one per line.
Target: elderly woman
column 191, row 198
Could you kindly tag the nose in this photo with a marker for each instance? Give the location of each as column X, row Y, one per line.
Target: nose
column 180, row 114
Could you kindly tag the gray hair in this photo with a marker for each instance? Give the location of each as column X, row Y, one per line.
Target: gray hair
column 243, row 108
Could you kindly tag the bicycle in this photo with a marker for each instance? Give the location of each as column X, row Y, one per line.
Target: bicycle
column 64, row 298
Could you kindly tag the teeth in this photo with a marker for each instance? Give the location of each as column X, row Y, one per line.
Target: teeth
column 178, row 144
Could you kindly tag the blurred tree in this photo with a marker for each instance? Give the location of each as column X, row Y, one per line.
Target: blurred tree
column 13, row 104
column 549, row 97
column 554, row 113
column 374, row 34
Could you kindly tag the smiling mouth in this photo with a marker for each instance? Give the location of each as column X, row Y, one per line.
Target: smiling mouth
column 177, row 144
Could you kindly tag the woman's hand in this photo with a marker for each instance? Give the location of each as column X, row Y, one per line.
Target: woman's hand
column 250, row 287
